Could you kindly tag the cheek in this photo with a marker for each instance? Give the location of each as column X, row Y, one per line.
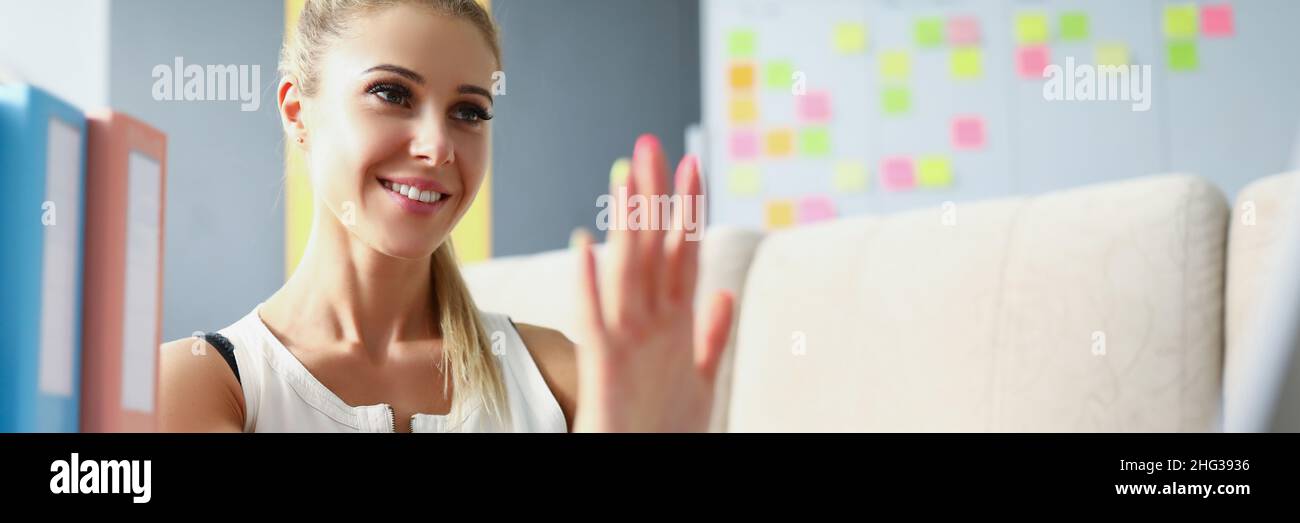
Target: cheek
column 347, row 149
column 472, row 160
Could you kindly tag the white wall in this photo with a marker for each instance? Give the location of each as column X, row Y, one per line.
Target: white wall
column 59, row 45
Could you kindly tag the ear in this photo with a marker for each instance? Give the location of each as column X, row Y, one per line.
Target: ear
column 290, row 100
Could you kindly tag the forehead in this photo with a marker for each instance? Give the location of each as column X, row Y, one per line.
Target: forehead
column 446, row 51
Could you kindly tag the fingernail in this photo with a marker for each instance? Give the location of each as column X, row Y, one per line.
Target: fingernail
column 577, row 236
column 645, row 143
column 619, row 171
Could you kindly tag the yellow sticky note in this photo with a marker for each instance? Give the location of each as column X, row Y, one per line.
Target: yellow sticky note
column 850, row 38
column 1112, row 54
column 742, row 43
column 744, row 110
column 895, row 65
column 934, row 171
column 779, row 74
column 779, row 213
column 741, row 76
column 778, row 143
column 966, row 63
column 619, row 171
column 815, row 141
column 1180, row 21
column 1031, row 28
column 743, row 180
column 850, row 177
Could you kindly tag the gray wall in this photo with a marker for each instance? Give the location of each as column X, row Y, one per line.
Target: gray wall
column 224, row 239
column 584, row 78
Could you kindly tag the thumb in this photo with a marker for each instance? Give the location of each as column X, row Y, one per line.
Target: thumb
column 713, row 334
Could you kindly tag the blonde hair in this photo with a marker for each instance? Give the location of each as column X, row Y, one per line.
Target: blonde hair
column 467, row 352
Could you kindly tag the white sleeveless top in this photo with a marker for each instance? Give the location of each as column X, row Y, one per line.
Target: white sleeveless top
column 281, row 395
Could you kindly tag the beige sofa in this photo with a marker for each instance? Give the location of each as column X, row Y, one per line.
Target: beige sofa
column 1100, row 308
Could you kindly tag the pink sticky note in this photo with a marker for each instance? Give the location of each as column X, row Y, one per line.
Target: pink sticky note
column 968, row 132
column 815, row 106
column 1216, row 20
column 963, row 30
column 744, row 144
column 1032, row 60
column 897, row 174
column 815, row 209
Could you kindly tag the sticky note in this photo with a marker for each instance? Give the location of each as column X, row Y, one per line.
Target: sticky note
column 779, row 213
column 849, row 177
column 1114, row 54
column 963, row 31
column 815, row 141
column 778, row 74
column 815, row 208
column 741, row 76
column 744, row 144
column 895, row 65
column 1031, row 61
column 743, row 110
column 968, row 132
column 850, row 38
column 895, row 100
column 742, row 43
column 814, row 106
column 966, row 63
column 1180, row 21
column 928, row 32
column 1217, row 20
column 743, row 180
column 1182, row 56
column 1031, row 28
column 896, row 174
column 778, row 143
column 934, row 171
column 1074, row 26
column 618, row 172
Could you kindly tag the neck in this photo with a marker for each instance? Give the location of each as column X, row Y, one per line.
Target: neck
column 346, row 293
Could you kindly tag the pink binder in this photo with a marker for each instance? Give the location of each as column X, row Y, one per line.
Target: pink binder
column 122, row 328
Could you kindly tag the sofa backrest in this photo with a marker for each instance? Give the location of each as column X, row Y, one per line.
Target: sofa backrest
column 1093, row 309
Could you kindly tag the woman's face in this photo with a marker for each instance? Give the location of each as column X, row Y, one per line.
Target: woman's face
column 396, row 133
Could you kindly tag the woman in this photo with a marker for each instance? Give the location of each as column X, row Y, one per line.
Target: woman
column 390, row 103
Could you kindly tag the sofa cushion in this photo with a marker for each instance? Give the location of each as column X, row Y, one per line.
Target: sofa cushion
column 1093, row 309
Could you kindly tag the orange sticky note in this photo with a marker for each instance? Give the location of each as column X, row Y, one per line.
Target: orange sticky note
column 778, row 143
column 741, row 76
column 744, row 110
column 779, row 213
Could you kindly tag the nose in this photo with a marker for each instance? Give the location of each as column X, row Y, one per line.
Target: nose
column 432, row 145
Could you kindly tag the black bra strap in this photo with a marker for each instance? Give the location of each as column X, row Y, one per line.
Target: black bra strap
column 226, row 349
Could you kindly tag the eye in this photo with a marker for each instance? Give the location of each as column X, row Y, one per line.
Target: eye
column 470, row 113
column 390, row 93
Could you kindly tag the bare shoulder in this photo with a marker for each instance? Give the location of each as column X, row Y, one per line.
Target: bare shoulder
column 197, row 391
column 556, row 357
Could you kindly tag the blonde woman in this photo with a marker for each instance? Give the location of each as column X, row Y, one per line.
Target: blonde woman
column 375, row 330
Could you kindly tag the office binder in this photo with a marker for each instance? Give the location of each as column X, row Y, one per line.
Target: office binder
column 42, row 198
column 121, row 324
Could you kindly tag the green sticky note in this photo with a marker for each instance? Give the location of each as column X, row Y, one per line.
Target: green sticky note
column 1114, row 54
column 896, row 100
column 1031, row 28
column 1182, row 56
column 928, row 32
column 966, row 63
column 850, row 177
column 779, row 74
column 742, row 43
column 934, row 171
column 895, row 65
column 815, row 141
column 1074, row 26
column 850, row 38
column 743, row 180
column 1180, row 21
column 618, row 172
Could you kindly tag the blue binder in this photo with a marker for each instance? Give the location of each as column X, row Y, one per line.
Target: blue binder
column 42, row 203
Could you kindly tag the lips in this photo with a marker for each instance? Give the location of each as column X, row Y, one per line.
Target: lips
column 418, row 195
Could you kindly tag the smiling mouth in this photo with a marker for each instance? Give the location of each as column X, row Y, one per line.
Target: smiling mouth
column 412, row 192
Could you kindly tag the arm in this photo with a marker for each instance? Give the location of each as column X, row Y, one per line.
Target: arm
column 197, row 390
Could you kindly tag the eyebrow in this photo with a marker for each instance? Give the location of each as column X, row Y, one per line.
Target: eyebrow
column 415, row 77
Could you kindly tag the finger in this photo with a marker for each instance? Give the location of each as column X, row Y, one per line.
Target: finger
column 624, row 262
column 651, row 173
column 589, row 307
column 714, row 331
column 683, row 243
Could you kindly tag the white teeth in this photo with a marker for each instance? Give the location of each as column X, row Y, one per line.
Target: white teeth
column 426, row 196
column 412, row 192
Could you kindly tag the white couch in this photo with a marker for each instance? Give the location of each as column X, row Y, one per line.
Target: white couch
column 1100, row 308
